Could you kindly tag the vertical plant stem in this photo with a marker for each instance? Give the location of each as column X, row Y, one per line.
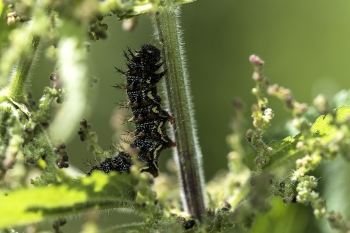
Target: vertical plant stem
column 19, row 77
column 187, row 152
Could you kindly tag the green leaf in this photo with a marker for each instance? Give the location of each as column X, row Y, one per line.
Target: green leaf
column 322, row 126
column 325, row 125
column 281, row 218
column 343, row 114
column 282, row 154
column 100, row 191
column 285, row 152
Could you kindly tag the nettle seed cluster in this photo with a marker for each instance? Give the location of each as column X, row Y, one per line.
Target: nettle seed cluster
column 150, row 137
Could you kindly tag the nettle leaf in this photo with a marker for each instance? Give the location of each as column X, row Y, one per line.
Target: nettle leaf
column 325, row 125
column 282, row 152
column 322, row 126
column 343, row 114
column 280, row 216
column 98, row 192
column 285, row 152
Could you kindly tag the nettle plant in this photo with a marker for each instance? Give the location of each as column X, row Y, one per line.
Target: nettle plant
column 32, row 138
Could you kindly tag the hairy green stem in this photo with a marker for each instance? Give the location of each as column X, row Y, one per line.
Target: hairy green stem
column 19, row 77
column 18, row 82
column 187, row 153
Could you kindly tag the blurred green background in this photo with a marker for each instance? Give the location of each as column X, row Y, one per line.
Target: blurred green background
column 305, row 45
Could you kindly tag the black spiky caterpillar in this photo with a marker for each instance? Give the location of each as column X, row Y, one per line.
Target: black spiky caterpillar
column 150, row 137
